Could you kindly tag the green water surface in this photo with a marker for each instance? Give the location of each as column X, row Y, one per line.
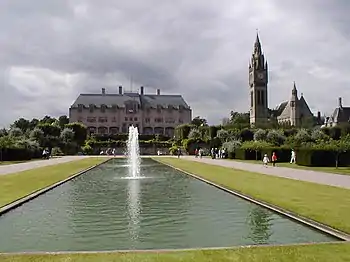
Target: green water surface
column 101, row 210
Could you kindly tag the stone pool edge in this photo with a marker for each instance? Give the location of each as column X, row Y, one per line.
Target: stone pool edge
column 301, row 219
column 5, row 209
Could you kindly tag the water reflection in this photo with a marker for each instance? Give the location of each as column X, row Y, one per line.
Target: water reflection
column 260, row 221
column 133, row 202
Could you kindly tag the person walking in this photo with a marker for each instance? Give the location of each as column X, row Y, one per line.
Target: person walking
column 292, row 157
column 274, row 159
column 266, row 160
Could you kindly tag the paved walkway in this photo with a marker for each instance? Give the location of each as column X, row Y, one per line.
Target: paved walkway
column 297, row 174
column 14, row 168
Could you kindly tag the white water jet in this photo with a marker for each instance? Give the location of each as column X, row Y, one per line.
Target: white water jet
column 133, row 150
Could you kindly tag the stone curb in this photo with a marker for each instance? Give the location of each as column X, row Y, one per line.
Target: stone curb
column 174, row 250
column 42, row 191
column 306, row 221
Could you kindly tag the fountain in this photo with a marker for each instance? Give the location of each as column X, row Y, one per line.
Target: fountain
column 133, row 151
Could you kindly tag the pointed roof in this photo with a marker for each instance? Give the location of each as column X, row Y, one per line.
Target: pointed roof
column 294, row 90
column 257, row 44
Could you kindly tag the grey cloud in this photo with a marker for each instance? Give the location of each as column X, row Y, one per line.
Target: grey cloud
column 201, row 51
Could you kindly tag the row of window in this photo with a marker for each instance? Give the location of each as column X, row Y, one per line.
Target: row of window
column 104, row 119
column 130, row 109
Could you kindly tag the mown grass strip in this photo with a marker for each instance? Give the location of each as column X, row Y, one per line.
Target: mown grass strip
column 302, row 253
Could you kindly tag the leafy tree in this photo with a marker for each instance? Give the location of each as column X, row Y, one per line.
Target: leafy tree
column 195, row 134
column 67, row 135
column 47, row 120
column 231, row 146
column 318, row 135
column 198, row 121
column 22, row 124
column 3, row 132
column 16, row 132
column 62, row 121
column 247, row 134
column 240, row 119
column 50, row 130
column 223, row 135
column 256, row 146
column 302, row 136
column 336, row 146
column 275, row 137
column 37, row 135
column 260, row 135
column 80, row 132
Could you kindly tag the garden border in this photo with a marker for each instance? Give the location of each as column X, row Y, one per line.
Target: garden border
column 294, row 216
column 5, row 209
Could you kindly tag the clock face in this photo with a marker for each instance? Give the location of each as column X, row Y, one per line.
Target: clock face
column 260, row 76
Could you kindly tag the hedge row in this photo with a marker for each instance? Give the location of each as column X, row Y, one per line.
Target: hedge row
column 19, row 154
column 304, row 157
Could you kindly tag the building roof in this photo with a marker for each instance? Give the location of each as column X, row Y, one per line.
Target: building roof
column 150, row 101
column 341, row 114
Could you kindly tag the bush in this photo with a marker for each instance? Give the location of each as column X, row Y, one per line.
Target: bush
column 231, row 148
column 56, row 151
column 19, row 154
column 321, row 158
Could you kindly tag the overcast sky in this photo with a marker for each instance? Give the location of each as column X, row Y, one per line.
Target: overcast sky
column 50, row 51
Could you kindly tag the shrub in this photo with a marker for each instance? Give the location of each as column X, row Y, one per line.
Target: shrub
column 56, row 151
column 15, row 132
column 275, row 137
column 223, row 135
column 231, row 147
column 260, row 135
column 195, row 134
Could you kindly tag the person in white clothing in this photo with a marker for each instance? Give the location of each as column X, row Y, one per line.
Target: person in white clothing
column 292, row 158
column 266, row 160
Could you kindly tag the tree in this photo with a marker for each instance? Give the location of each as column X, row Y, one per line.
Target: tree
column 318, row 135
column 223, row 135
column 198, row 121
column 260, row 135
column 231, row 147
column 67, row 135
column 337, row 147
column 22, row 124
column 240, row 119
column 16, row 132
column 63, row 120
column 80, row 132
column 50, row 130
column 47, row 120
column 37, row 135
column 275, row 137
column 195, row 134
column 302, row 136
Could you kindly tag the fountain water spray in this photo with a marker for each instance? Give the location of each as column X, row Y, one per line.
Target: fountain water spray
column 133, row 151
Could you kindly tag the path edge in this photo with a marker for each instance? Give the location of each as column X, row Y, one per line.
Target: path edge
column 291, row 215
column 5, row 209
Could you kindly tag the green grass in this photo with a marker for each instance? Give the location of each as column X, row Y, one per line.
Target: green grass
column 326, row 204
column 307, row 253
column 18, row 185
column 332, row 170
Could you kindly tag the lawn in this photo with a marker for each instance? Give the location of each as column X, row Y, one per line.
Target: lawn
column 333, row 170
column 326, row 204
column 3, row 163
column 308, row 253
column 18, row 185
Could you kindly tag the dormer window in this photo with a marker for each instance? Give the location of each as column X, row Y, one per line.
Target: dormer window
column 91, row 108
column 103, row 108
column 114, row 108
column 159, row 108
column 80, row 108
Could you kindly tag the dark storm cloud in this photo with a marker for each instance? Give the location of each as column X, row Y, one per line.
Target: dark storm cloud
column 50, row 51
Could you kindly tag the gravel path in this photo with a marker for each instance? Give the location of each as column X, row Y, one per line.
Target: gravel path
column 297, row 174
column 14, row 168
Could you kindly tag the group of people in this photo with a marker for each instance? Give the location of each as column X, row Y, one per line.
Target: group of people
column 266, row 159
column 198, row 152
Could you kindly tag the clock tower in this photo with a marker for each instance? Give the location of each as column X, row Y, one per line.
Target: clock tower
column 258, row 79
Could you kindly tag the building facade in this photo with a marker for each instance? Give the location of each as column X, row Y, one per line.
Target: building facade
column 341, row 115
column 113, row 113
column 294, row 111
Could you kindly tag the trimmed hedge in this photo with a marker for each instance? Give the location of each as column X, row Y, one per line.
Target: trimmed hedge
column 283, row 154
column 321, row 158
column 19, row 154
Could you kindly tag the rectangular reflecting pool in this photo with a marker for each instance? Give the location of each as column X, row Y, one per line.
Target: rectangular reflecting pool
column 101, row 210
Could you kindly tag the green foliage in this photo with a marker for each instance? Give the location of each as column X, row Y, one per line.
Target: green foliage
column 15, row 132
column 50, row 130
column 67, row 135
column 182, row 131
column 275, row 137
column 198, row 121
column 255, row 145
column 260, row 135
column 80, row 132
column 56, row 151
column 223, row 135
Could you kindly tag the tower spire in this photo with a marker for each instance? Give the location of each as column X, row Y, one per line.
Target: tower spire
column 257, row 44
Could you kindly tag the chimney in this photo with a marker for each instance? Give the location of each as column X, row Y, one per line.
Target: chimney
column 141, row 90
column 120, row 90
column 158, row 92
column 103, row 91
column 340, row 103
